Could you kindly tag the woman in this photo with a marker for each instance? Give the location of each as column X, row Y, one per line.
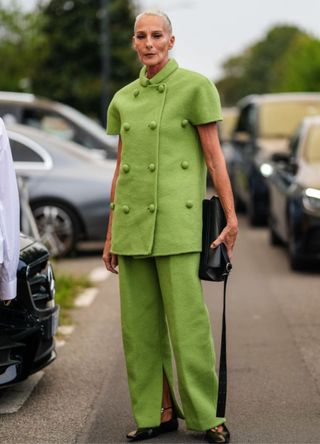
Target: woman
column 166, row 121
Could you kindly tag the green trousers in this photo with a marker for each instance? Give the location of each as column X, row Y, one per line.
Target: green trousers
column 161, row 298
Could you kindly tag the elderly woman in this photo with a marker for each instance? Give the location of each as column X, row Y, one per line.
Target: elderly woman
column 166, row 122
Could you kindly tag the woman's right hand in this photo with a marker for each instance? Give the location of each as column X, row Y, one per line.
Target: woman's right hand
column 110, row 260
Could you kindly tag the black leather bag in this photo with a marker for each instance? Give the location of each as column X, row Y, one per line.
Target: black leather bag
column 216, row 266
column 214, row 263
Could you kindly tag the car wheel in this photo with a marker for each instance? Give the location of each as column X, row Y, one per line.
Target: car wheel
column 58, row 227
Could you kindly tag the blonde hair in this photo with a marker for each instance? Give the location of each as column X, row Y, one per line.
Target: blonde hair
column 156, row 13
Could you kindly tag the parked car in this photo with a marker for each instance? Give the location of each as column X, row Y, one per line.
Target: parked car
column 227, row 125
column 295, row 196
column 265, row 125
column 28, row 324
column 70, row 200
column 58, row 119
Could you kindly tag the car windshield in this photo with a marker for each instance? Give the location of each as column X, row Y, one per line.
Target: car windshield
column 281, row 119
column 311, row 152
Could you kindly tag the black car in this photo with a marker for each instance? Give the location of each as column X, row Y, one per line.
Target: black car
column 265, row 125
column 29, row 322
column 295, row 196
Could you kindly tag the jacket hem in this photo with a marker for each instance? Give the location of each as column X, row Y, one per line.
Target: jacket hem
column 155, row 253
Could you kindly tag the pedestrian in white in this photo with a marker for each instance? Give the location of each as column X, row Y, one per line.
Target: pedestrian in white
column 9, row 220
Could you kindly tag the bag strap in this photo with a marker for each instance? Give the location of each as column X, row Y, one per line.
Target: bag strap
column 222, row 395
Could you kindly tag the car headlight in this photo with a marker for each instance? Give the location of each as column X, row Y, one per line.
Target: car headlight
column 311, row 199
column 266, row 169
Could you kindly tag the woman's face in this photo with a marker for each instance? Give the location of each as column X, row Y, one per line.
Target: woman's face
column 152, row 41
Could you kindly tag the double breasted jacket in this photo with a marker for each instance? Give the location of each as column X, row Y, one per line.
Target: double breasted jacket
column 157, row 209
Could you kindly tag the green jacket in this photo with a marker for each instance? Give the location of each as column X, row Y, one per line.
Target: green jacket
column 159, row 191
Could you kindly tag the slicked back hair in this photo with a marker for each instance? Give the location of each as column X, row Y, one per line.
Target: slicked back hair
column 157, row 14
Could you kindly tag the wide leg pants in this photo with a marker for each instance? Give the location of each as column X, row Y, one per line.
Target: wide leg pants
column 162, row 297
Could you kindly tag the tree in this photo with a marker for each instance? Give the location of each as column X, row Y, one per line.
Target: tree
column 299, row 68
column 69, row 66
column 254, row 71
column 19, row 42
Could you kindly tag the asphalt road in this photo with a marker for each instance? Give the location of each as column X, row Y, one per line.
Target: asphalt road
column 273, row 357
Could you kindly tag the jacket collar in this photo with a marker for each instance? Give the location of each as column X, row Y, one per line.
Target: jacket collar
column 168, row 69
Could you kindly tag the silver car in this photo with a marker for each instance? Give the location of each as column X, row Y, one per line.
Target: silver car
column 68, row 188
column 58, row 119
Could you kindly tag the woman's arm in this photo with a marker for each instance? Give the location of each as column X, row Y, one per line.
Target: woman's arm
column 217, row 169
column 111, row 260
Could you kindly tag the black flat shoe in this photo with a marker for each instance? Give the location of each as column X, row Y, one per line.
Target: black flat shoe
column 214, row 436
column 151, row 432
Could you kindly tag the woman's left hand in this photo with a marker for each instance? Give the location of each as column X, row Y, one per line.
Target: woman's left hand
column 228, row 236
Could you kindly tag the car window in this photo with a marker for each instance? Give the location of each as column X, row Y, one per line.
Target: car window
column 311, row 151
column 9, row 113
column 59, row 126
column 49, row 122
column 22, row 153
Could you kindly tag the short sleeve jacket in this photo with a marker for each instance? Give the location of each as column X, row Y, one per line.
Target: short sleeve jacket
column 157, row 209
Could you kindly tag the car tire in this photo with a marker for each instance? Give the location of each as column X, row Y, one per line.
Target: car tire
column 58, row 227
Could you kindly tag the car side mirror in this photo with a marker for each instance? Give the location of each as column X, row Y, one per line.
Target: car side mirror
column 289, row 162
column 293, row 165
column 280, row 157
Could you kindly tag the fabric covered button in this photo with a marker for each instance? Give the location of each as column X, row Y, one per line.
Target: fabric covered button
column 126, row 126
column 153, row 125
column 136, row 92
column 184, row 164
column 144, row 81
column 184, row 123
column 189, row 204
column 125, row 168
column 151, row 208
column 125, row 209
column 152, row 167
column 112, row 205
column 161, row 88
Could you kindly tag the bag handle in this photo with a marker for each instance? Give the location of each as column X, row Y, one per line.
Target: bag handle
column 222, row 394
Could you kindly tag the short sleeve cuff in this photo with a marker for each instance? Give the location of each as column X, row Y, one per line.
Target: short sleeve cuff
column 8, row 290
column 113, row 131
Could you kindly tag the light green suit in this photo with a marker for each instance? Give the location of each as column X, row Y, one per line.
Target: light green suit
column 163, row 173
column 156, row 231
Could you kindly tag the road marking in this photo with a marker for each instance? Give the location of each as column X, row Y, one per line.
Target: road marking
column 86, row 297
column 12, row 398
column 66, row 330
column 59, row 343
column 99, row 274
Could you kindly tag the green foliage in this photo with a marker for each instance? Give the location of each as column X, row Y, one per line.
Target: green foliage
column 287, row 59
column 69, row 69
column 67, row 288
column 299, row 68
column 55, row 51
column 19, row 42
